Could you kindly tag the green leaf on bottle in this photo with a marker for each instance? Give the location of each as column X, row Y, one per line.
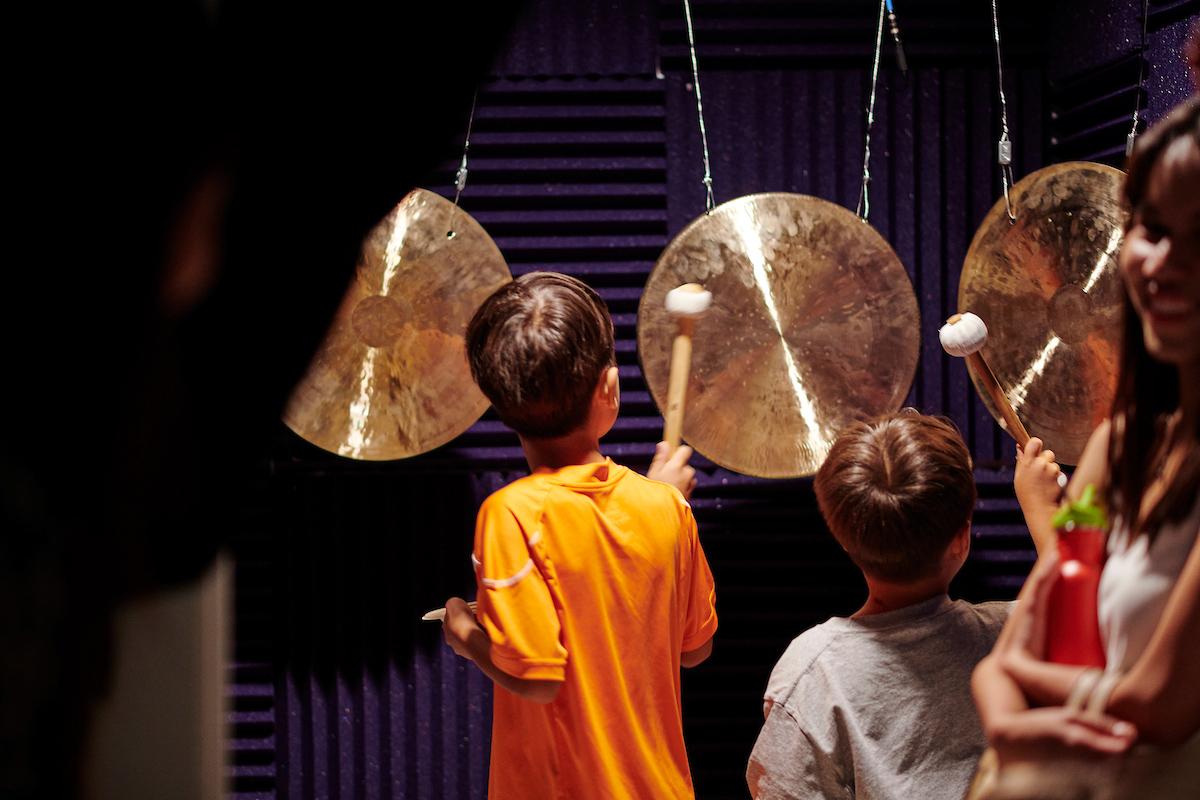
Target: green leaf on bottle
column 1082, row 512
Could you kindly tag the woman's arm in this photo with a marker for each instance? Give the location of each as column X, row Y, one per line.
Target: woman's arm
column 1093, row 463
column 997, row 695
column 1041, row 681
column 1016, row 731
column 1158, row 695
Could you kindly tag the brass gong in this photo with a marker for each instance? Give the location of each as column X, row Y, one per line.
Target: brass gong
column 813, row 325
column 391, row 378
column 1048, row 290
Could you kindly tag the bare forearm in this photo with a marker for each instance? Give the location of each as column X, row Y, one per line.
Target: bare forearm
column 1137, row 699
column 1043, row 682
column 1042, row 532
column 996, row 693
column 1162, row 717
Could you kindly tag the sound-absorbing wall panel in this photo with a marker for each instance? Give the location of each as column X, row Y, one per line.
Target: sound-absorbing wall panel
column 584, row 161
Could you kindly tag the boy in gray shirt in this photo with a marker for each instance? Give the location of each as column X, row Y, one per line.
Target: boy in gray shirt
column 878, row 705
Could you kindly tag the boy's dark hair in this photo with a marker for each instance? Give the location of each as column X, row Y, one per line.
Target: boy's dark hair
column 895, row 491
column 537, row 348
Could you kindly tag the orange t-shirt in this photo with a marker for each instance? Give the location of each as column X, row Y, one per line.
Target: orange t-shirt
column 591, row 575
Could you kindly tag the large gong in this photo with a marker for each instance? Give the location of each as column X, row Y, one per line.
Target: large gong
column 1047, row 287
column 391, row 378
column 814, row 324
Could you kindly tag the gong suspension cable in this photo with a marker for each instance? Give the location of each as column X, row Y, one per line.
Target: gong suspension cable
column 863, row 210
column 1004, row 146
column 1137, row 98
column 460, row 177
column 709, row 202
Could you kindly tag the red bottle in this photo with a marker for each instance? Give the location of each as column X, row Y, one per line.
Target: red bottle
column 1073, row 623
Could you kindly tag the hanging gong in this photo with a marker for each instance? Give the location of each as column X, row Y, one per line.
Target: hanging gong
column 813, row 325
column 391, row 378
column 1047, row 288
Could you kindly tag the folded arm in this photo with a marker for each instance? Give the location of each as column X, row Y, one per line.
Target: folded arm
column 1159, row 695
column 1017, row 731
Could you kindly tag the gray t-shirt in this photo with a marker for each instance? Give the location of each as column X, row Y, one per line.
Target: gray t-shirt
column 877, row 707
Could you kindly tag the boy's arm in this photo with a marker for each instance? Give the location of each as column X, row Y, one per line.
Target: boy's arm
column 1017, row 731
column 700, row 611
column 787, row 764
column 1038, row 491
column 692, row 658
column 514, row 636
column 469, row 640
column 672, row 467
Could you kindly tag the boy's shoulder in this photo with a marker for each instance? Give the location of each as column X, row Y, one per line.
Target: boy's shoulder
column 820, row 653
column 992, row 607
column 530, row 494
column 653, row 488
column 991, row 613
column 799, row 661
column 523, row 497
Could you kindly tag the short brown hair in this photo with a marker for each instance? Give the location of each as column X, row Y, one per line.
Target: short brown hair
column 895, row 491
column 537, row 348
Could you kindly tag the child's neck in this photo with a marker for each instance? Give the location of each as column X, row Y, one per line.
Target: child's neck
column 546, row 455
column 884, row 596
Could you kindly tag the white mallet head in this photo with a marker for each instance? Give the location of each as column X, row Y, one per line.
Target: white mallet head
column 963, row 334
column 689, row 300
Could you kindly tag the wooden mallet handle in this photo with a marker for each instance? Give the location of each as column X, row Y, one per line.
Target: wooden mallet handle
column 969, row 345
column 681, row 367
column 686, row 304
column 1012, row 422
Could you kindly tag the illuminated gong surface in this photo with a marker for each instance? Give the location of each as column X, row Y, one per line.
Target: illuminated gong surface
column 1048, row 290
column 813, row 325
column 391, row 378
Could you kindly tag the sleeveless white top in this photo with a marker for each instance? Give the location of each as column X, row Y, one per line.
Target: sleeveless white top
column 1136, row 583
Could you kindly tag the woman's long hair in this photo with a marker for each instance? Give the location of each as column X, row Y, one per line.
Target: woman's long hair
column 1148, row 390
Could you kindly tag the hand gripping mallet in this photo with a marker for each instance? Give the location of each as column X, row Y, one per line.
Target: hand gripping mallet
column 686, row 304
column 964, row 335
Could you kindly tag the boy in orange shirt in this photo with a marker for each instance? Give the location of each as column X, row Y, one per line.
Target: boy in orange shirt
column 593, row 587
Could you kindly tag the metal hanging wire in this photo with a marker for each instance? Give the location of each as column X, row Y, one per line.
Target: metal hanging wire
column 1137, row 99
column 863, row 209
column 1004, row 146
column 709, row 201
column 460, row 177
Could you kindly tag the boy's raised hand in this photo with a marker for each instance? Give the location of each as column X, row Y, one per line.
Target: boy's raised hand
column 673, row 468
column 1038, row 489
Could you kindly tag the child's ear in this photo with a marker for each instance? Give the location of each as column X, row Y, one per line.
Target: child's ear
column 962, row 542
column 610, row 387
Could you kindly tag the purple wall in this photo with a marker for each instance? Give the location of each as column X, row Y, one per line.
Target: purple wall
column 585, row 161
column 1089, row 36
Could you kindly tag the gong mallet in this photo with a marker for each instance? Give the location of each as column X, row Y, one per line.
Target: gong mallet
column 686, row 304
column 964, row 335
